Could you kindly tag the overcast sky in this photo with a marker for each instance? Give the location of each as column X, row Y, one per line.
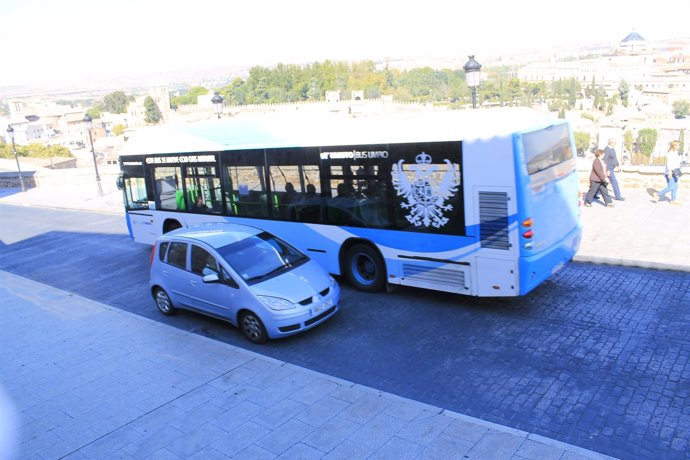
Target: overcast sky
column 51, row 41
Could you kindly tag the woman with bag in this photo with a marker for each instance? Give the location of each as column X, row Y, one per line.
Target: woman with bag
column 597, row 180
column 672, row 173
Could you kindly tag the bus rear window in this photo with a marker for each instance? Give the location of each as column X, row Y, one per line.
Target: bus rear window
column 547, row 147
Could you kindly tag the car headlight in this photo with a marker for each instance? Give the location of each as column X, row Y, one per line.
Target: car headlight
column 276, row 303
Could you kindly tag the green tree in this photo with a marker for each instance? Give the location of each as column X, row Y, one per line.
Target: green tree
column 582, row 140
column 188, row 98
column 115, row 102
column 681, row 108
column 681, row 141
column 624, row 92
column 153, row 113
column 646, row 140
column 628, row 140
column 119, row 129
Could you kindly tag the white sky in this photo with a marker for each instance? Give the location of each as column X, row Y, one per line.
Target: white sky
column 56, row 41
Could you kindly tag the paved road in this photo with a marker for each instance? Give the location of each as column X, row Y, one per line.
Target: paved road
column 596, row 357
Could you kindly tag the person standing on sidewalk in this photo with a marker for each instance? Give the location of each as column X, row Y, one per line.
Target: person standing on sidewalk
column 611, row 160
column 672, row 173
column 597, row 180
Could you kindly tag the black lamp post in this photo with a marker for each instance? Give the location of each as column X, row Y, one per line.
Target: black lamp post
column 10, row 132
column 87, row 124
column 218, row 100
column 473, row 77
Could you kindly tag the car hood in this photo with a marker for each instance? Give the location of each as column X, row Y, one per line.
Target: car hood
column 297, row 284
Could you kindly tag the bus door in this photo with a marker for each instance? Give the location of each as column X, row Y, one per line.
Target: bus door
column 138, row 200
column 202, row 190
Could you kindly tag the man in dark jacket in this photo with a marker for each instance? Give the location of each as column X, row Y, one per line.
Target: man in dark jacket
column 611, row 164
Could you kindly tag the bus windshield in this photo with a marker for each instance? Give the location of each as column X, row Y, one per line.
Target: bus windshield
column 548, row 147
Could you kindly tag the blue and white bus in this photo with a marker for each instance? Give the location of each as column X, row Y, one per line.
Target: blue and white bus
column 481, row 202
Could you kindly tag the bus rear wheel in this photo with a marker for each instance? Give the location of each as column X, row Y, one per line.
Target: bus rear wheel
column 364, row 268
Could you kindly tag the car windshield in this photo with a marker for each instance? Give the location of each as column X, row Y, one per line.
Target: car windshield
column 261, row 257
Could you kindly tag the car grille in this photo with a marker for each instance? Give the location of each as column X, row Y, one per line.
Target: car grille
column 309, row 300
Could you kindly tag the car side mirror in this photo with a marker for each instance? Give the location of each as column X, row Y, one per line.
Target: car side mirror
column 211, row 278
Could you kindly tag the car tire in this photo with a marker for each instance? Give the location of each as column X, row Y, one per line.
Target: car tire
column 164, row 303
column 253, row 328
column 364, row 268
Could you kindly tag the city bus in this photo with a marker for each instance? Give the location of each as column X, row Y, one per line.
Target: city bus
column 477, row 202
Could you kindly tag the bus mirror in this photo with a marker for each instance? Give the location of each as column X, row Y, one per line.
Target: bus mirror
column 120, row 182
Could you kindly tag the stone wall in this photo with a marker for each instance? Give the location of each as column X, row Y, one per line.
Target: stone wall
column 639, row 177
column 73, row 177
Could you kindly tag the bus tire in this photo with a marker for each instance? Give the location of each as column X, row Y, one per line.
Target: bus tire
column 163, row 302
column 364, row 268
column 252, row 327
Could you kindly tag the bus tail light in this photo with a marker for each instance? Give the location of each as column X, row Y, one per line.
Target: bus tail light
column 528, row 233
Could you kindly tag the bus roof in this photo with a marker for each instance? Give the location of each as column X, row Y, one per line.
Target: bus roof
column 307, row 130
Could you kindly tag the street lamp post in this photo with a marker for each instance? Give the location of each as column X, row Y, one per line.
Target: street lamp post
column 473, row 77
column 10, row 132
column 218, row 100
column 87, row 124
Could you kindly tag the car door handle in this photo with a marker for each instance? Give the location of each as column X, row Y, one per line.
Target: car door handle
column 192, row 283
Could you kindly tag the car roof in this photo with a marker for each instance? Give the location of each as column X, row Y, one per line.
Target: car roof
column 215, row 235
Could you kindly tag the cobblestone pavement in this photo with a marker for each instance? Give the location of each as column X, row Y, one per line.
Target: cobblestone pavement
column 596, row 357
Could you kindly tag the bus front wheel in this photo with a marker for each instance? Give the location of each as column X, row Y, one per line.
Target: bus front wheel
column 364, row 268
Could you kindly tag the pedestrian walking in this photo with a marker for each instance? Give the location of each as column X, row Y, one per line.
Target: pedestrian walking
column 611, row 160
column 672, row 173
column 597, row 180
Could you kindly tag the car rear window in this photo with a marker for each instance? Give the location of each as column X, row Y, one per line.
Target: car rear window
column 177, row 254
column 162, row 250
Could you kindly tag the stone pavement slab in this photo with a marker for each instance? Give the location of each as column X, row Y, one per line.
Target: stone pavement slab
column 90, row 381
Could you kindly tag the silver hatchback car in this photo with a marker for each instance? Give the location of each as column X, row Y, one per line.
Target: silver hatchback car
column 244, row 275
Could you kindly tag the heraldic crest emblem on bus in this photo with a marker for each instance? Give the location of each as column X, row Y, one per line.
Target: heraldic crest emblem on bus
column 426, row 194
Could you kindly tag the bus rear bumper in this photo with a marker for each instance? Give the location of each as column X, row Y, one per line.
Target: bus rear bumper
column 536, row 269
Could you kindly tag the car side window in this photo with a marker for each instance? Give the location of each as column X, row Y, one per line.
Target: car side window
column 162, row 250
column 203, row 262
column 177, row 254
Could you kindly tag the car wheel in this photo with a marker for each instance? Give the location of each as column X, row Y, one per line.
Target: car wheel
column 253, row 328
column 164, row 303
column 364, row 268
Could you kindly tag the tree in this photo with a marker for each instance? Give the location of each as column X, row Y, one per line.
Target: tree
column 188, row 98
column 628, row 140
column 582, row 140
column 115, row 102
column 681, row 141
column 119, row 129
column 681, row 108
column 153, row 113
column 624, row 91
column 646, row 140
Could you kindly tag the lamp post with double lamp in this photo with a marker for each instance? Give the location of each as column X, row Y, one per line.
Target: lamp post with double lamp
column 10, row 132
column 473, row 76
column 87, row 124
column 218, row 100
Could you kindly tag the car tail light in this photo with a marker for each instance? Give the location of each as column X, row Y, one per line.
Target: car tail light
column 153, row 251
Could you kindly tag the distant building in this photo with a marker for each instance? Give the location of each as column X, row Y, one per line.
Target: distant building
column 662, row 71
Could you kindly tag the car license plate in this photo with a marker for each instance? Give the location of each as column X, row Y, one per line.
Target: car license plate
column 319, row 308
